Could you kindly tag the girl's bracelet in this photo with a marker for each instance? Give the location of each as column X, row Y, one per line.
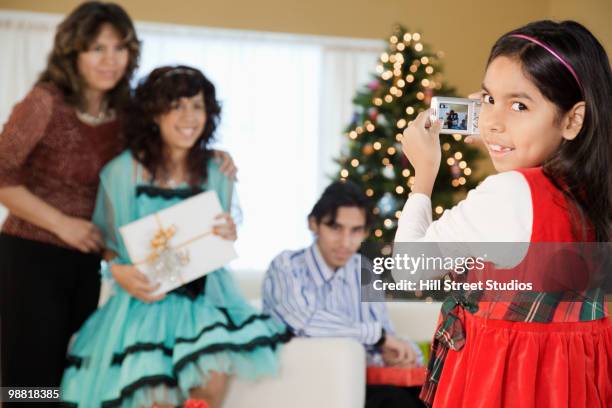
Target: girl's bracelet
column 105, row 268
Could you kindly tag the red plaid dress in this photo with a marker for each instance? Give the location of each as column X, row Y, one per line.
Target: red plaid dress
column 538, row 350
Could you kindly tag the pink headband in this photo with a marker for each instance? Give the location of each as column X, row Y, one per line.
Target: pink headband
column 553, row 53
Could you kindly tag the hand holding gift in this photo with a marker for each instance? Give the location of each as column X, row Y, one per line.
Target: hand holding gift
column 226, row 230
column 136, row 283
column 181, row 243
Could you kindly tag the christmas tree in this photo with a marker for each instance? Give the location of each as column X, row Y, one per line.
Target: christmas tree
column 408, row 74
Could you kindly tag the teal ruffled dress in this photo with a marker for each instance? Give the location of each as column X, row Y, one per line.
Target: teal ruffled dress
column 133, row 354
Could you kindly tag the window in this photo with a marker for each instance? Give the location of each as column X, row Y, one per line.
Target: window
column 286, row 100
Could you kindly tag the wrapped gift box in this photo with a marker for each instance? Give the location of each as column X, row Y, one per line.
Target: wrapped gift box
column 401, row 377
column 176, row 245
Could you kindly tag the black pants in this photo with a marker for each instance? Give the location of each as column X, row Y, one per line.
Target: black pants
column 390, row 396
column 46, row 293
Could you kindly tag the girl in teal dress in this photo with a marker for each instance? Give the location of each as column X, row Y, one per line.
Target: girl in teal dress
column 143, row 351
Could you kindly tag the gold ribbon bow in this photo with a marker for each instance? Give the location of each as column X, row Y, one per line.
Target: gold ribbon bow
column 161, row 240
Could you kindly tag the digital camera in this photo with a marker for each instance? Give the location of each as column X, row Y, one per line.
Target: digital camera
column 459, row 115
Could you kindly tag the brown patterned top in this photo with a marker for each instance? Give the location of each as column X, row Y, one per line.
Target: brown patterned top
column 46, row 148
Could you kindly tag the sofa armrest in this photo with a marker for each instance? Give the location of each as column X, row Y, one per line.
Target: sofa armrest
column 314, row 372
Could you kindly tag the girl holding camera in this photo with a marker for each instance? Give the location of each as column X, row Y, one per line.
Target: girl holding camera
column 545, row 121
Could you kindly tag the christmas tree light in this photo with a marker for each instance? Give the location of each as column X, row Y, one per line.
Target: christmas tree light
column 407, row 74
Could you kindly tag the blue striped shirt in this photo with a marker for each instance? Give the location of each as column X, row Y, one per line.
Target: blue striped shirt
column 302, row 291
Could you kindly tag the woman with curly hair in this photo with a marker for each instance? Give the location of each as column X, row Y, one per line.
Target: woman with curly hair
column 140, row 350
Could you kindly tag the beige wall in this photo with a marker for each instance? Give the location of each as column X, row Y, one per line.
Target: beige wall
column 596, row 15
column 464, row 30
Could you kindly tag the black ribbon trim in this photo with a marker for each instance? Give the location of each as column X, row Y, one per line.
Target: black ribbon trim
column 167, row 193
column 191, row 290
column 129, row 390
column 75, row 361
column 72, row 360
column 230, row 326
column 155, row 380
column 230, row 322
column 264, row 341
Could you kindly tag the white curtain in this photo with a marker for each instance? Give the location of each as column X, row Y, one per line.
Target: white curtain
column 286, row 99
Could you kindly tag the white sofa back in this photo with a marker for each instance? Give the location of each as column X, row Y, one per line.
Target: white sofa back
column 321, row 373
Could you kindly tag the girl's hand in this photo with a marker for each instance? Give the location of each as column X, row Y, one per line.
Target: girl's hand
column 135, row 283
column 474, row 139
column 80, row 234
column 227, row 230
column 421, row 145
column 228, row 167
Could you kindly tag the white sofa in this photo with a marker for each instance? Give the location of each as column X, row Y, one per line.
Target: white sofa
column 313, row 373
column 323, row 372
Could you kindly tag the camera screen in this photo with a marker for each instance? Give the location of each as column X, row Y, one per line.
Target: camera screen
column 454, row 115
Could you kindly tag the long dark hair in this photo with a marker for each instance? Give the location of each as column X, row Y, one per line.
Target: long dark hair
column 75, row 35
column 580, row 167
column 154, row 96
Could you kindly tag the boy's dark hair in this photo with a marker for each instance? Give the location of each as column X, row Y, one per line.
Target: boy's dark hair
column 341, row 194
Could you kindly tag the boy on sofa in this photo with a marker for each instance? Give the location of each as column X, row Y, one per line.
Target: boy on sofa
column 316, row 291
